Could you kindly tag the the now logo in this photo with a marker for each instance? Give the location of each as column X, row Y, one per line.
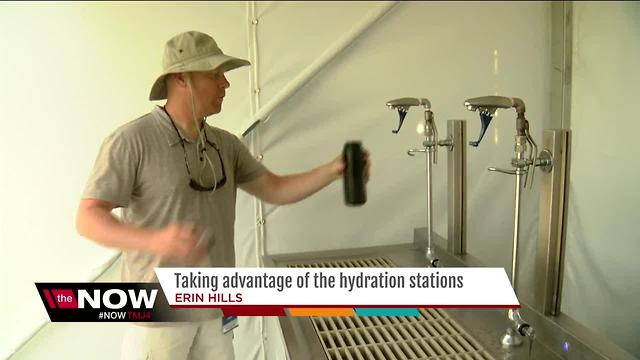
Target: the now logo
column 117, row 298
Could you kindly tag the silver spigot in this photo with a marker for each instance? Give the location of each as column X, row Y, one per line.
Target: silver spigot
column 526, row 157
column 431, row 143
column 525, row 147
column 403, row 105
column 526, row 154
column 519, row 328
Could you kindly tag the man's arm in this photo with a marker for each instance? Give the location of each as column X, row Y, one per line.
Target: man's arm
column 289, row 189
column 94, row 221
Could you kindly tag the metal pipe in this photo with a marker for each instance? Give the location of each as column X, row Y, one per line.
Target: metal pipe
column 429, row 158
column 256, row 145
column 516, row 230
column 252, row 35
column 307, row 74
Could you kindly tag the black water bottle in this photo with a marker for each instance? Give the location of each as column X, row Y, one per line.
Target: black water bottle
column 354, row 188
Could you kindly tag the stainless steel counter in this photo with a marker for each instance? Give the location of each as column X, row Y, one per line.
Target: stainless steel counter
column 557, row 337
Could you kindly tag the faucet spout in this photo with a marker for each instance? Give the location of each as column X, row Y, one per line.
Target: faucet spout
column 407, row 102
column 402, row 105
column 519, row 324
column 487, row 107
column 518, row 328
column 488, row 103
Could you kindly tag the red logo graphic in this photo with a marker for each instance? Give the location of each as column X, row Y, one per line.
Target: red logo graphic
column 64, row 299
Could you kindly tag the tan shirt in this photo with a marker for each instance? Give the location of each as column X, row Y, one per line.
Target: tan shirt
column 141, row 168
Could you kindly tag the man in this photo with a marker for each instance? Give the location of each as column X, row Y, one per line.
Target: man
column 175, row 177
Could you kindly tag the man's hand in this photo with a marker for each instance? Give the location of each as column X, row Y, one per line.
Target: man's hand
column 338, row 165
column 178, row 241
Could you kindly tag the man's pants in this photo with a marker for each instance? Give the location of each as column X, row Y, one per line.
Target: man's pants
column 180, row 341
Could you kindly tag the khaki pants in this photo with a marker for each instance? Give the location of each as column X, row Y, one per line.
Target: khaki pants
column 191, row 341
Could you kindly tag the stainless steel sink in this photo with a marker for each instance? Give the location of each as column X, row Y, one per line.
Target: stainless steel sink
column 436, row 333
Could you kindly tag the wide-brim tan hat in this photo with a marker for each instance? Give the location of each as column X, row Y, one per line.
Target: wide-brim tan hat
column 192, row 51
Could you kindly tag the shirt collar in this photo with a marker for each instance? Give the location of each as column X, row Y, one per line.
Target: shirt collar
column 164, row 122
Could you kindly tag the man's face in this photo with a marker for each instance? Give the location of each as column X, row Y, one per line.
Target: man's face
column 209, row 89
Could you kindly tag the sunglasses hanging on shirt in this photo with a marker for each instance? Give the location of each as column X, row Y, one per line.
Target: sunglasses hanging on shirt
column 193, row 183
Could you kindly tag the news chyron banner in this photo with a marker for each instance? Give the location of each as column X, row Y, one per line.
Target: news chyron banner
column 280, row 292
column 105, row 301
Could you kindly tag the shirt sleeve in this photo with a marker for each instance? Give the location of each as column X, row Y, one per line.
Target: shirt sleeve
column 114, row 173
column 247, row 167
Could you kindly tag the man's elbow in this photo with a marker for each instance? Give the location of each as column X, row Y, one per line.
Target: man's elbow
column 276, row 197
column 283, row 201
column 88, row 215
column 271, row 188
column 285, row 193
column 275, row 192
column 81, row 220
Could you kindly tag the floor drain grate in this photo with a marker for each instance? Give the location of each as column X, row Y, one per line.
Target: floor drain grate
column 431, row 336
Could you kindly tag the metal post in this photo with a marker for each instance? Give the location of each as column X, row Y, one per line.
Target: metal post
column 457, row 187
column 552, row 222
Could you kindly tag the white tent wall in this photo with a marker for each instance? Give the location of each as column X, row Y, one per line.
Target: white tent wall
column 601, row 287
column 71, row 73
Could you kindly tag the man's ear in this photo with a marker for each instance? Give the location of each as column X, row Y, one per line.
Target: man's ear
column 180, row 79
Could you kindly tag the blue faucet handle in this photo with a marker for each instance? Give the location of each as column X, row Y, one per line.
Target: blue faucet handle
column 402, row 113
column 485, row 120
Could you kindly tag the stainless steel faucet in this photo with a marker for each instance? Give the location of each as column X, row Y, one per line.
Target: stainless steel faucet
column 526, row 160
column 430, row 144
column 519, row 328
